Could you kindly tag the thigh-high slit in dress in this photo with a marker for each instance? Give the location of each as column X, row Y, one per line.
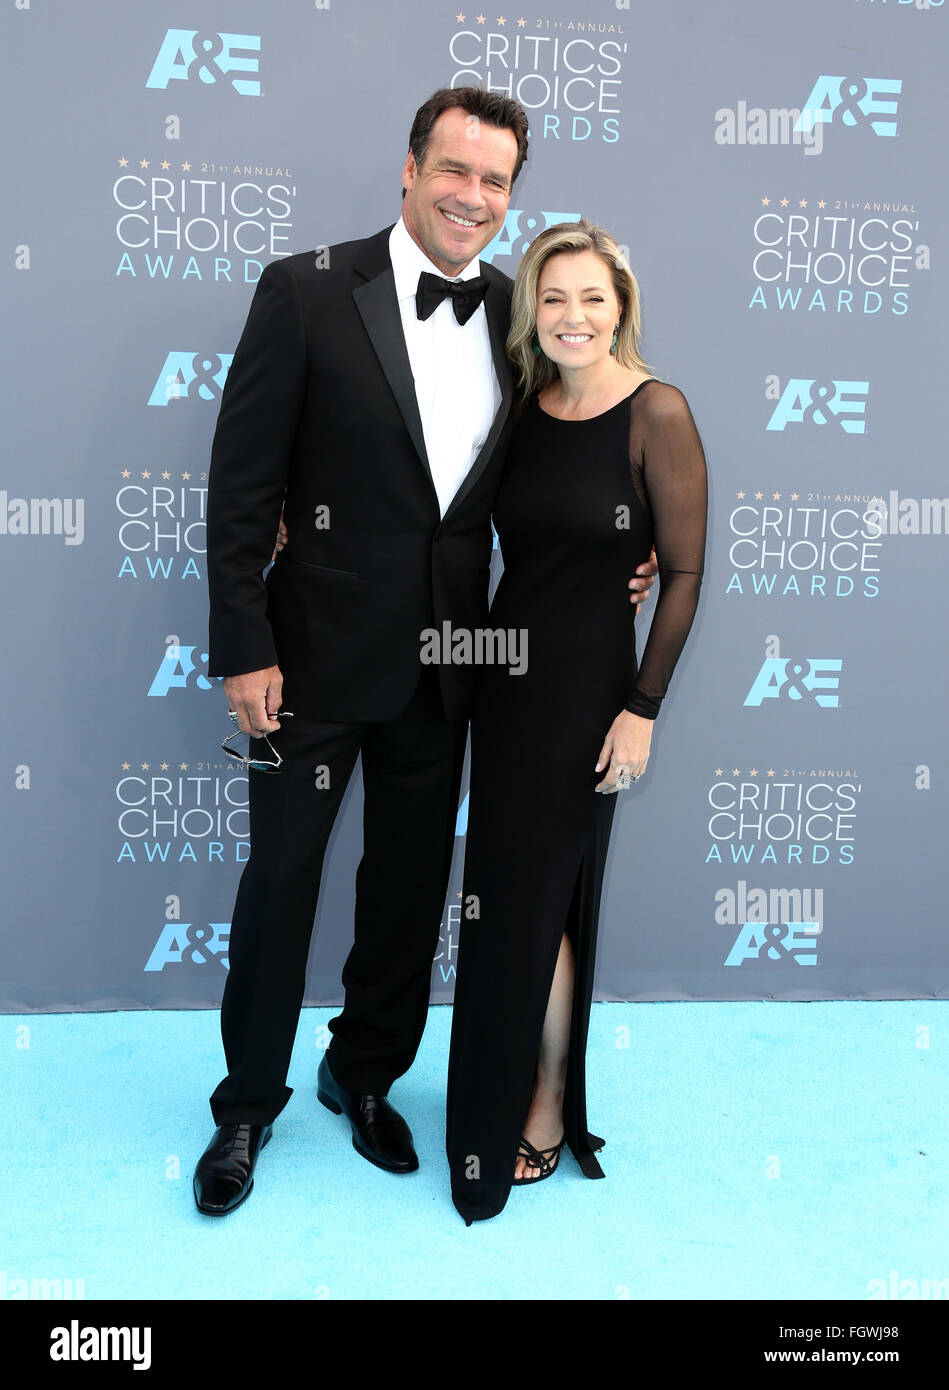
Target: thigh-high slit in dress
column 580, row 504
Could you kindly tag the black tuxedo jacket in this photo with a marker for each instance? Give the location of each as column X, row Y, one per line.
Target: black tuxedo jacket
column 319, row 413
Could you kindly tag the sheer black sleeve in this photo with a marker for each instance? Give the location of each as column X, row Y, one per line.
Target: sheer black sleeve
column 669, row 473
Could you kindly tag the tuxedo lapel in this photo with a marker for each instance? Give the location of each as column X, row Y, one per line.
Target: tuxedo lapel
column 497, row 307
column 378, row 307
column 376, row 301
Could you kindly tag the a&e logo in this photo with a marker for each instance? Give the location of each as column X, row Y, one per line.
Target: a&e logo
column 192, row 376
column 176, row 669
column 806, row 400
column 796, row 680
column 774, row 941
column 515, row 236
column 187, row 54
column 859, row 100
column 183, row 943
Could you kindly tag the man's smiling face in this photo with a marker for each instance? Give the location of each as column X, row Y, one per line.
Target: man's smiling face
column 456, row 201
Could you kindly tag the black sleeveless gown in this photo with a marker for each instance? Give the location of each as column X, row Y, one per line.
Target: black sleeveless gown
column 579, row 506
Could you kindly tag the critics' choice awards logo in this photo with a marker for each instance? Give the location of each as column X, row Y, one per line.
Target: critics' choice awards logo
column 173, row 812
column 567, row 75
column 832, row 256
column 811, row 545
column 191, row 376
column 196, row 221
column 443, row 964
column 162, row 535
column 790, row 816
column 774, row 924
column 188, row 55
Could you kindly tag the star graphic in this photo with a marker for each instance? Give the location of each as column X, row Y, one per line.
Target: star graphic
column 795, row 496
column 146, row 473
column 770, row 771
column 126, row 766
column 784, row 202
column 123, row 163
column 501, row 20
column 460, row 18
column 758, row 496
column 145, row 767
column 143, row 163
column 766, row 202
column 163, row 766
column 736, row 771
column 481, row 19
column 821, row 203
column 186, row 476
column 182, row 767
column 739, row 495
column 752, row 772
column 126, row 473
column 802, row 202
column 719, row 772
column 522, row 24
column 166, row 474
column 186, row 167
column 776, row 496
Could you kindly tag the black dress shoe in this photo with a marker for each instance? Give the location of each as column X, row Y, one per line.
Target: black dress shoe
column 224, row 1176
column 379, row 1132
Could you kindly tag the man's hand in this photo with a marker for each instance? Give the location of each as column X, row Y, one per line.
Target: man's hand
column 640, row 587
column 282, row 537
column 256, row 696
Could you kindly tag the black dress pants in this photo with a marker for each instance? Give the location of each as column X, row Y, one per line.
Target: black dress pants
column 411, row 767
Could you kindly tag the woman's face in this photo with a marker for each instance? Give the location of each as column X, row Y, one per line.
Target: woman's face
column 577, row 308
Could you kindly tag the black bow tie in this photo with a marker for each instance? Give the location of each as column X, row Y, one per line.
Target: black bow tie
column 465, row 296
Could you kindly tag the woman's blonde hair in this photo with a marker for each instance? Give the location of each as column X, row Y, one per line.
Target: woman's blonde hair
column 534, row 371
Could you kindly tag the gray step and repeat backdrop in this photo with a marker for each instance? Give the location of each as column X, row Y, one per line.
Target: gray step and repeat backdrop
column 773, row 171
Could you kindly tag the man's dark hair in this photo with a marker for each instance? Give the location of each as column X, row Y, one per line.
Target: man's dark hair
column 491, row 107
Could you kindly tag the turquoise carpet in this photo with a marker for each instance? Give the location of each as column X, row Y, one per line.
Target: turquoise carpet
column 754, row 1151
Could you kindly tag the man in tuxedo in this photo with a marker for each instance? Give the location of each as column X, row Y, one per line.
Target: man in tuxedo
column 370, row 398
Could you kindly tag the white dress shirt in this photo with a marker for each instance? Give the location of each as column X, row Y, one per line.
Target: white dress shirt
column 455, row 382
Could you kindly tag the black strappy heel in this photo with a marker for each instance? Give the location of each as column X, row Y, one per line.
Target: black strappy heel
column 536, row 1158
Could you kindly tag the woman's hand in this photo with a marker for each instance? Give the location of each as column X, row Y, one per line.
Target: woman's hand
column 625, row 746
column 282, row 537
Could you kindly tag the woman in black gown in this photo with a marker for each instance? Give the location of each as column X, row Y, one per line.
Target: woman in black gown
column 604, row 460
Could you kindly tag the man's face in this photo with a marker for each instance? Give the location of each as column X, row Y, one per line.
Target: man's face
column 456, row 202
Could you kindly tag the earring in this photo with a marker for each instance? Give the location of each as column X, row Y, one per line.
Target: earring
column 615, row 340
column 535, row 344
